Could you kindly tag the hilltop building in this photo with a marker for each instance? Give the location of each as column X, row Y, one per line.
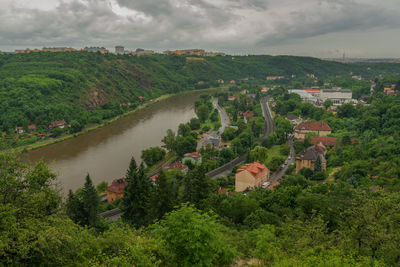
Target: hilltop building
column 95, row 49
column 251, row 175
column 119, row 50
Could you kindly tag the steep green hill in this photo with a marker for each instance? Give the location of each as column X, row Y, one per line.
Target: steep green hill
column 86, row 87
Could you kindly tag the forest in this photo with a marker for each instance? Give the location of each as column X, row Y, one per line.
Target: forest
column 85, row 89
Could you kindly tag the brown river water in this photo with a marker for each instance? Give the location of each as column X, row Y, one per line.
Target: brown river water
column 105, row 153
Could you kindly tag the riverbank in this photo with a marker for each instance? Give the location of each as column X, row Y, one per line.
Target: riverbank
column 52, row 141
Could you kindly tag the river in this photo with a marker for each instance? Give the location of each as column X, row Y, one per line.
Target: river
column 105, row 153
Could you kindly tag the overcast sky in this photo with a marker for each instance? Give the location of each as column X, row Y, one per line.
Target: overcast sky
column 320, row 28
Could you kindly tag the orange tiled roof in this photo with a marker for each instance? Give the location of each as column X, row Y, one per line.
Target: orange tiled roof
column 117, row 186
column 254, row 168
column 330, row 141
column 177, row 165
column 314, row 126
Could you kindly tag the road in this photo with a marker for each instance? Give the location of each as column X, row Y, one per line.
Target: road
column 276, row 176
column 225, row 120
column 269, row 128
column 269, row 122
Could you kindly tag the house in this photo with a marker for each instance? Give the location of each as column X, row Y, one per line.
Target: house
column 32, row 128
column 154, row 178
column 194, row 158
column 265, row 89
column 245, row 91
column 58, row 124
column 247, row 116
column 214, row 140
column 337, row 95
column 232, row 82
column 116, row 189
column 320, row 128
column 271, row 78
column 308, row 157
column 200, row 82
column 251, row 175
column 177, row 165
column 220, row 81
column 232, row 97
column 294, row 119
column 19, row 130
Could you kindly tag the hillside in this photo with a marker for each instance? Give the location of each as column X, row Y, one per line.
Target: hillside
column 38, row 88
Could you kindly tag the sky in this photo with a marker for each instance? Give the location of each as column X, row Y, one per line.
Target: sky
column 318, row 28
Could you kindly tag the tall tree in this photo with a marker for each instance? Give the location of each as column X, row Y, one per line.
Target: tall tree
column 90, row 202
column 318, row 164
column 164, row 197
column 198, row 186
column 137, row 195
column 169, row 140
column 74, row 208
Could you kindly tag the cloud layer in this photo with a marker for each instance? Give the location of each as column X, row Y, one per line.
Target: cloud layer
column 238, row 26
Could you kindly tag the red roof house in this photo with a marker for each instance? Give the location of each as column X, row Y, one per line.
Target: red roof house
column 247, row 115
column 116, row 189
column 58, row 124
column 177, row 165
column 319, row 127
column 251, row 175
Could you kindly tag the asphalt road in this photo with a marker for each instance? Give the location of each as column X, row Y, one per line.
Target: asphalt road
column 269, row 122
column 225, row 121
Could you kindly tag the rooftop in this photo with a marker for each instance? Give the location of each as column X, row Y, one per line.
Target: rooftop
column 313, row 126
column 254, row 168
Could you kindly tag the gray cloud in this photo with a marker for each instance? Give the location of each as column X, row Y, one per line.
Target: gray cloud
column 247, row 26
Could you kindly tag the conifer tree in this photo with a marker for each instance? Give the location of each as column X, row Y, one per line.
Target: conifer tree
column 137, row 196
column 198, row 186
column 74, row 208
column 318, row 164
column 164, row 198
column 90, row 202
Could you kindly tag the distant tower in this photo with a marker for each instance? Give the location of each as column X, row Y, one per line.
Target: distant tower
column 119, row 50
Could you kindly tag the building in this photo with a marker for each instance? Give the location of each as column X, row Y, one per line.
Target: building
column 58, row 49
column 337, row 95
column 272, row 78
column 232, row 82
column 19, row 130
column 232, row 97
column 210, row 139
column 295, row 120
column 32, row 128
column 326, row 141
column 194, row 158
column 308, row 157
column 244, row 91
column 251, row 175
column 116, row 189
column 220, row 81
column 143, row 52
column 95, row 49
column 320, row 128
column 58, row 124
column 248, row 115
column 119, row 50
column 177, row 165
column 305, row 96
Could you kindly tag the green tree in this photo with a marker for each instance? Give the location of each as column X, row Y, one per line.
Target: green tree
column 74, row 208
column 164, row 197
column 185, row 144
column 328, row 103
column 318, row 164
column 152, row 155
column 91, row 202
column 137, row 196
column 203, row 113
column 198, row 186
column 169, row 140
column 184, row 129
column 194, row 123
column 194, row 238
column 259, row 153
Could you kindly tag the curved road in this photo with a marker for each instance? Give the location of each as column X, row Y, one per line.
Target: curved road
column 225, row 120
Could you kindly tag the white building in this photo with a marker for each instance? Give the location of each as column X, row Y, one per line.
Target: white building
column 305, row 96
column 119, row 50
column 338, row 96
